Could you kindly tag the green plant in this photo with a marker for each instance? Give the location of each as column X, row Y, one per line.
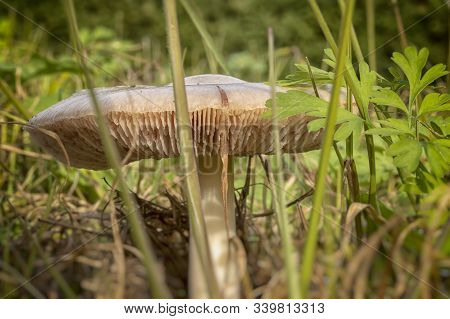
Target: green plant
column 421, row 125
column 407, row 129
column 277, row 180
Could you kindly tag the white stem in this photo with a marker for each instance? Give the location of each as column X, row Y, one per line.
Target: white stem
column 220, row 227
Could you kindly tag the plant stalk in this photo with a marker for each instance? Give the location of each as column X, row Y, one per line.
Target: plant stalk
column 207, row 39
column 192, row 184
column 290, row 264
column 351, row 82
column 399, row 22
column 370, row 17
column 355, row 43
column 311, row 241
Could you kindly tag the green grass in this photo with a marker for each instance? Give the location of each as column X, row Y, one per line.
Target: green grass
column 278, row 186
column 376, row 225
column 311, row 241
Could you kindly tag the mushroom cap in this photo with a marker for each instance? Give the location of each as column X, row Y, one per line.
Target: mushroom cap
column 224, row 112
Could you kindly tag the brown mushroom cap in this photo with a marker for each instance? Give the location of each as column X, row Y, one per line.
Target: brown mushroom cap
column 225, row 119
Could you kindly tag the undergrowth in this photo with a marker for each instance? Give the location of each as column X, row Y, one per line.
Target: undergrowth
column 382, row 227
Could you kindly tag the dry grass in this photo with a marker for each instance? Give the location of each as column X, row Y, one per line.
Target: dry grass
column 91, row 259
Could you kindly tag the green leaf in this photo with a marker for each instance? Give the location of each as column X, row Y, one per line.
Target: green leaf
column 438, row 164
column 435, row 102
column 412, row 188
column 330, row 63
column 365, row 86
column 412, row 64
column 301, row 76
column 396, row 73
column 398, row 82
column 436, row 128
column 406, row 154
column 398, row 124
column 424, row 132
column 389, row 98
column 442, row 142
column 296, row 102
column 391, row 127
column 443, row 123
column 330, row 54
column 316, row 125
column 384, row 131
column 443, row 147
column 427, row 181
column 330, row 59
column 434, row 73
column 345, row 129
column 445, row 151
column 368, row 79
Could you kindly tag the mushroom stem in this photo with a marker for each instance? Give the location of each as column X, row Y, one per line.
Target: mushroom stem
column 220, row 228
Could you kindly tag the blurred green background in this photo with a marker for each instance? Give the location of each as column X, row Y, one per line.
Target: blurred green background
column 122, row 32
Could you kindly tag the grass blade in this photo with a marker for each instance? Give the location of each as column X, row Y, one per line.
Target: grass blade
column 278, row 188
column 207, row 39
column 311, row 241
column 399, row 22
column 351, row 82
column 156, row 284
column 187, row 155
column 370, row 16
column 14, row 101
column 355, row 43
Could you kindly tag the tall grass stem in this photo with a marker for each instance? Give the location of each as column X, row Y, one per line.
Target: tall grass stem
column 352, row 83
column 400, row 26
column 370, row 23
column 323, row 25
column 290, row 263
column 14, row 101
column 207, row 39
column 311, row 241
column 354, row 38
column 189, row 164
column 156, row 283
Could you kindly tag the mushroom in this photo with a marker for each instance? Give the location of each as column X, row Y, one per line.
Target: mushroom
column 225, row 120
